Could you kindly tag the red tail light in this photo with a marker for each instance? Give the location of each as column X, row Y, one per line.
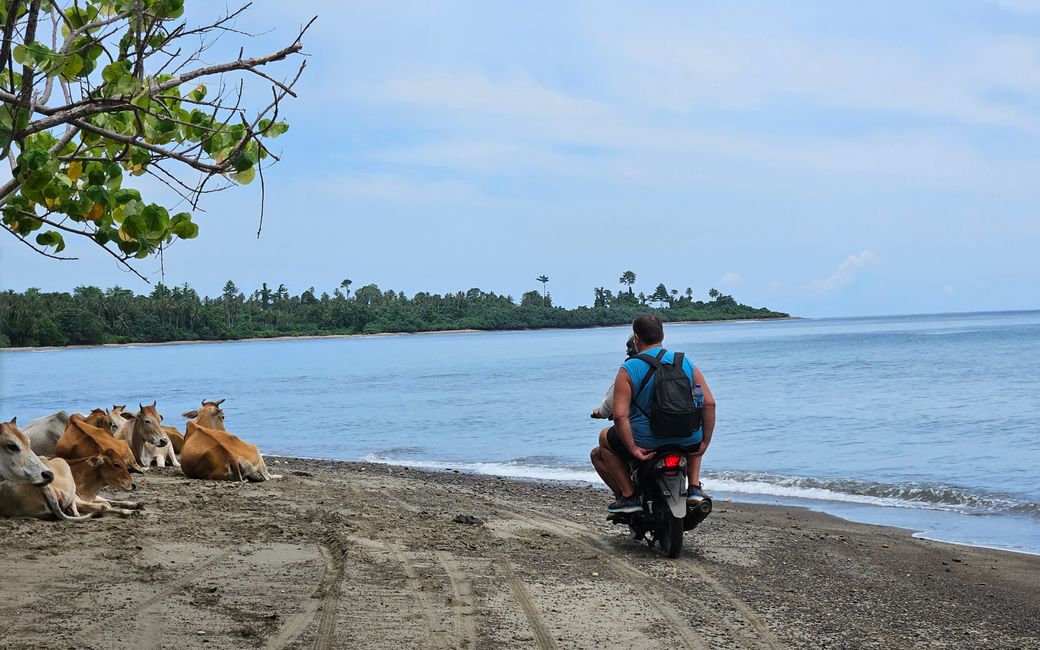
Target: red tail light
column 671, row 461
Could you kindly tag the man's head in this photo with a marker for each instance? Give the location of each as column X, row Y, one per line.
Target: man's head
column 630, row 346
column 648, row 330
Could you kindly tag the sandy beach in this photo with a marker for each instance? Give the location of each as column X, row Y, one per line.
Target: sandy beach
column 348, row 555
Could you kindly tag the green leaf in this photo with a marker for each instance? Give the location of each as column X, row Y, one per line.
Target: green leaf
column 185, row 229
column 244, row 177
column 51, row 238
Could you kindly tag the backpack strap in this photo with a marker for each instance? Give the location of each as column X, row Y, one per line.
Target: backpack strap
column 677, row 361
column 654, row 364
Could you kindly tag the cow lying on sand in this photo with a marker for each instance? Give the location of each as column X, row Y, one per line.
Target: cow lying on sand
column 81, row 440
column 44, row 433
column 210, row 415
column 148, row 441
column 221, row 456
column 31, row 486
column 95, row 473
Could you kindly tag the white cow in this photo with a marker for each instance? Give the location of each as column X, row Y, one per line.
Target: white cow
column 26, row 481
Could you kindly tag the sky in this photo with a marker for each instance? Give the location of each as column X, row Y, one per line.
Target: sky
column 819, row 158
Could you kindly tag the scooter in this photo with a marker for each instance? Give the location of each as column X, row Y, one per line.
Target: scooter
column 662, row 482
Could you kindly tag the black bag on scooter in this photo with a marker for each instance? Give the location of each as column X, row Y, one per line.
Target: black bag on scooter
column 673, row 413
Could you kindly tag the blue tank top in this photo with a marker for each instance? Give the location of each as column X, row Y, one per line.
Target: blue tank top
column 637, row 370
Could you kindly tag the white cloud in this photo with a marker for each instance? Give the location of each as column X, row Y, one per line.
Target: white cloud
column 731, row 280
column 846, row 272
column 1028, row 7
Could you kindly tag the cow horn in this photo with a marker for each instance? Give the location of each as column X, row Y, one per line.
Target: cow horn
column 14, row 420
column 154, row 402
column 219, row 401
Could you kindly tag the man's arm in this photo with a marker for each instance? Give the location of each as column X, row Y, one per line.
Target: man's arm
column 708, row 414
column 622, row 402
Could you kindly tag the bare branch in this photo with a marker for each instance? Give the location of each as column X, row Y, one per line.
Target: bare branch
column 37, row 250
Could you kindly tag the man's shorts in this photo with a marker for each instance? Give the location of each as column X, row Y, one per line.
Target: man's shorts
column 619, row 448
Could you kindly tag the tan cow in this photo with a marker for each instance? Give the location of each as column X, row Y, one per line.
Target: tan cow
column 30, row 486
column 95, row 473
column 221, row 456
column 210, row 415
column 175, row 436
column 43, row 434
column 81, row 440
column 144, row 429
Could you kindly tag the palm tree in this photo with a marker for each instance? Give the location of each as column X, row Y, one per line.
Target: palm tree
column 714, row 293
column 628, row 278
column 346, row 286
column 544, row 279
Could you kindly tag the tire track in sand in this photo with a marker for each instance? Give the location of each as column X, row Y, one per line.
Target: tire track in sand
column 765, row 637
column 538, row 626
column 579, row 534
column 462, row 600
column 146, row 633
column 332, row 583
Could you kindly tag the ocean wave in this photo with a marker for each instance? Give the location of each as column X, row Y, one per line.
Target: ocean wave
column 931, row 496
column 911, row 494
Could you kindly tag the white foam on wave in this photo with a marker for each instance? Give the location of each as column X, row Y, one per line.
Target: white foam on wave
column 815, row 494
column 508, row 469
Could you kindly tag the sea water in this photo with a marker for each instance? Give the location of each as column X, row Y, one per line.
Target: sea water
column 926, row 422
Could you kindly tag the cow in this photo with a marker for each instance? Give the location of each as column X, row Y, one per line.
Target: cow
column 81, row 440
column 210, row 415
column 141, row 429
column 95, row 473
column 175, row 436
column 221, row 456
column 29, row 485
column 44, row 433
column 166, row 455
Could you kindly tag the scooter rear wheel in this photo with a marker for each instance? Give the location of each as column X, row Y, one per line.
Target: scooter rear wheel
column 670, row 536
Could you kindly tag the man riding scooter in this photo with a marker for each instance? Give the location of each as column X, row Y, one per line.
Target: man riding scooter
column 633, row 438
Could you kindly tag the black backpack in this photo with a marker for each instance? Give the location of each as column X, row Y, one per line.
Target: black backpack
column 673, row 413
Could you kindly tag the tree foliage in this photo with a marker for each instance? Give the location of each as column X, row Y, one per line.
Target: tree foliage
column 90, row 315
column 95, row 92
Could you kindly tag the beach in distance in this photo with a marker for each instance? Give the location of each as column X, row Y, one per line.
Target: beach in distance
column 360, row 555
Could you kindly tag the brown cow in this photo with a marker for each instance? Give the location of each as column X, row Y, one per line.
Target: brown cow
column 144, row 427
column 221, row 456
column 175, row 436
column 210, row 416
column 81, row 440
column 95, row 473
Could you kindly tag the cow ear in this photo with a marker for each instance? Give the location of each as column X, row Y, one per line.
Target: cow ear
column 191, row 415
column 127, row 415
column 96, row 461
column 160, row 417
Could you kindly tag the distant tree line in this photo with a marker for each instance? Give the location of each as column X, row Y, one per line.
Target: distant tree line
column 90, row 315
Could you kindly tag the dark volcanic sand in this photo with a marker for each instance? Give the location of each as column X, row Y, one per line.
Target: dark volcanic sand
column 346, row 555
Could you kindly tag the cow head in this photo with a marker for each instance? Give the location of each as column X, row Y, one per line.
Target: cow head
column 103, row 420
column 210, row 415
column 146, row 425
column 17, row 461
column 111, row 470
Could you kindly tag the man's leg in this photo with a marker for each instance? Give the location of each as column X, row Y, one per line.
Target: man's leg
column 694, row 493
column 601, row 469
column 615, row 467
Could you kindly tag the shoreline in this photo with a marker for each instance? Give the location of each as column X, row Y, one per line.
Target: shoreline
column 315, row 337
column 336, row 553
column 830, row 508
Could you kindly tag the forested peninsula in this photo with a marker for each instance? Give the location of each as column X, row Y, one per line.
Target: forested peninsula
column 91, row 316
